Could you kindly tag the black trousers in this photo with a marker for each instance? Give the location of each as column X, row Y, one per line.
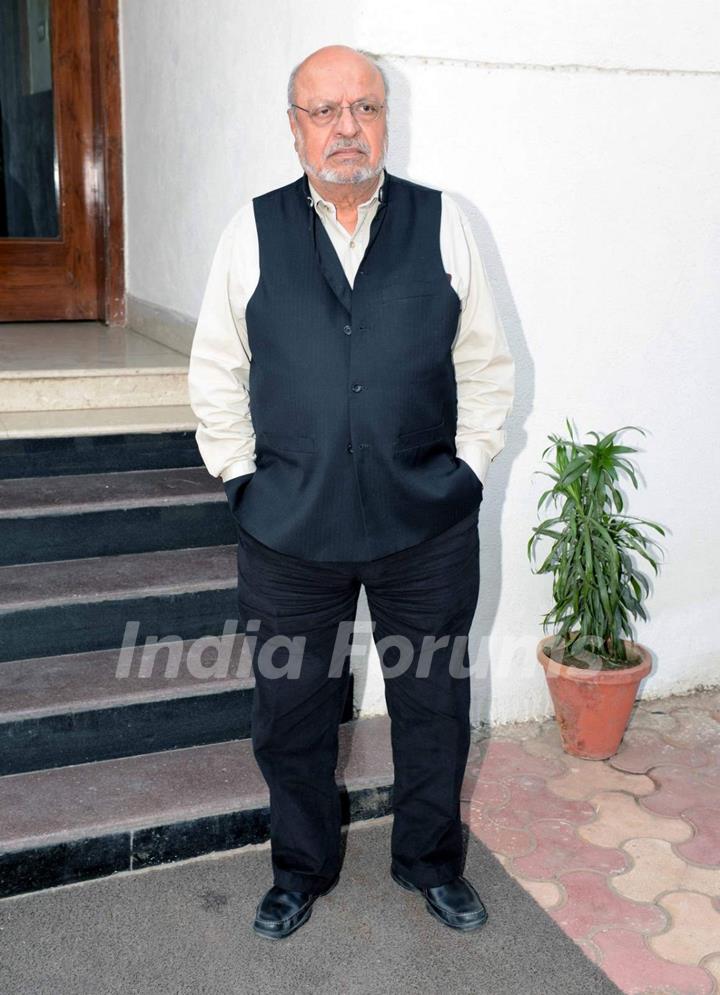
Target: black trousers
column 301, row 664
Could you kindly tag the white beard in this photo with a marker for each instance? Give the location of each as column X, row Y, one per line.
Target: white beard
column 358, row 175
column 328, row 174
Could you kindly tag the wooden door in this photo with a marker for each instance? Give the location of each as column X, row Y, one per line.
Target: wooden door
column 61, row 239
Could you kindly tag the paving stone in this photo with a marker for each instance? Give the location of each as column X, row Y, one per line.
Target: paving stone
column 548, row 894
column 602, row 844
column 694, row 932
column 501, row 840
column 529, row 800
column 605, row 879
column 484, row 794
column 711, row 771
column 635, row 969
column 652, row 720
column 559, row 849
column 519, row 732
column 547, row 744
column 590, row 950
column 705, row 700
column 679, row 789
column 693, row 727
column 500, row 760
column 712, row 966
column 657, row 869
column 590, row 903
column 585, row 778
column 704, row 847
column 642, row 751
column 665, row 990
column 621, row 818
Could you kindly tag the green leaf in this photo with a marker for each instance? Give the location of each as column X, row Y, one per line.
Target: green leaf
column 594, row 547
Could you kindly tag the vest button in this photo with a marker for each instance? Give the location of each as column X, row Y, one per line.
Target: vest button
column 356, row 387
column 347, row 329
column 350, row 448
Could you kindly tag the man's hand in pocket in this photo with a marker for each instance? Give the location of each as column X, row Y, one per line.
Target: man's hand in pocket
column 234, row 488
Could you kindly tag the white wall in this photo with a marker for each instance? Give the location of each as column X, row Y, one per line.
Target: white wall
column 583, row 142
column 205, row 127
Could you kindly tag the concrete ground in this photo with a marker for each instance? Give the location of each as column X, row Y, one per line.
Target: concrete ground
column 185, row 929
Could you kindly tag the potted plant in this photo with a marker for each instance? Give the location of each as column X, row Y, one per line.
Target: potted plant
column 592, row 665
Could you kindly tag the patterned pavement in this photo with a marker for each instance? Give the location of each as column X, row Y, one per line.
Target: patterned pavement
column 624, row 854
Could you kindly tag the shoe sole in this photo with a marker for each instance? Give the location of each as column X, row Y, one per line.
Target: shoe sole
column 409, row 886
column 301, row 922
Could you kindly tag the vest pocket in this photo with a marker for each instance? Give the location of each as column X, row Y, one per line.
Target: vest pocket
column 421, row 437
column 408, row 288
column 286, row 443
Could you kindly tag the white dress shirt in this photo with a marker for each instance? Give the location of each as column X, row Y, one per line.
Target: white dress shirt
column 218, row 375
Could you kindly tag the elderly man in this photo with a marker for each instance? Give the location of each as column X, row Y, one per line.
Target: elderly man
column 351, row 379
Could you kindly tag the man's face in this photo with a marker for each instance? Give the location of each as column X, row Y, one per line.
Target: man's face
column 346, row 150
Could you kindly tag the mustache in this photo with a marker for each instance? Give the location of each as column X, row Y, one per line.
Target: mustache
column 347, row 146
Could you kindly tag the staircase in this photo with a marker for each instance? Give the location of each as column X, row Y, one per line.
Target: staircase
column 115, row 755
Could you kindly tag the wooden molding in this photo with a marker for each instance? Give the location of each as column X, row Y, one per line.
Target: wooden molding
column 107, row 100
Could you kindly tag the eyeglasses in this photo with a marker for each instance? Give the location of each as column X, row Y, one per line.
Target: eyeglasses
column 329, row 112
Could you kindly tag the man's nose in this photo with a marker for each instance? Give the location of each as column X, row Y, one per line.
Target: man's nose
column 346, row 124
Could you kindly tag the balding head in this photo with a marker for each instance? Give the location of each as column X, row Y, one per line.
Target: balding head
column 336, row 59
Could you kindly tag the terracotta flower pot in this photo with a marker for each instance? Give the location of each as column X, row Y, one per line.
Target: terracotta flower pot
column 592, row 707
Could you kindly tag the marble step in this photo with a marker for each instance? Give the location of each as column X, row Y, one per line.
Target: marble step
column 46, row 367
column 103, row 514
column 83, row 707
column 73, row 606
column 86, row 821
column 96, row 421
column 30, row 390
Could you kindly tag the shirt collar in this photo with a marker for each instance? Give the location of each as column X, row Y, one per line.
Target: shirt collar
column 318, row 200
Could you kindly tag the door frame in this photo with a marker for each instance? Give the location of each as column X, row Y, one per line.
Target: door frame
column 108, row 152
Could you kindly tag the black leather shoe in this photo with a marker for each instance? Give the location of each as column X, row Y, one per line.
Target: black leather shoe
column 280, row 912
column 456, row 903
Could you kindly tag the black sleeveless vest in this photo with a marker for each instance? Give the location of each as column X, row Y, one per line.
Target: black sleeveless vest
column 352, row 389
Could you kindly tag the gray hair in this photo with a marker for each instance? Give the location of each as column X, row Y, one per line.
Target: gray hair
column 368, row 55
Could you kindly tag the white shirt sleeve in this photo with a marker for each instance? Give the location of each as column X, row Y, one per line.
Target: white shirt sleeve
column 219, row 367
column 484, row 367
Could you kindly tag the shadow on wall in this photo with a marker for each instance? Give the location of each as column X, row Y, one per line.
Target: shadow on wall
column 370, row 698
